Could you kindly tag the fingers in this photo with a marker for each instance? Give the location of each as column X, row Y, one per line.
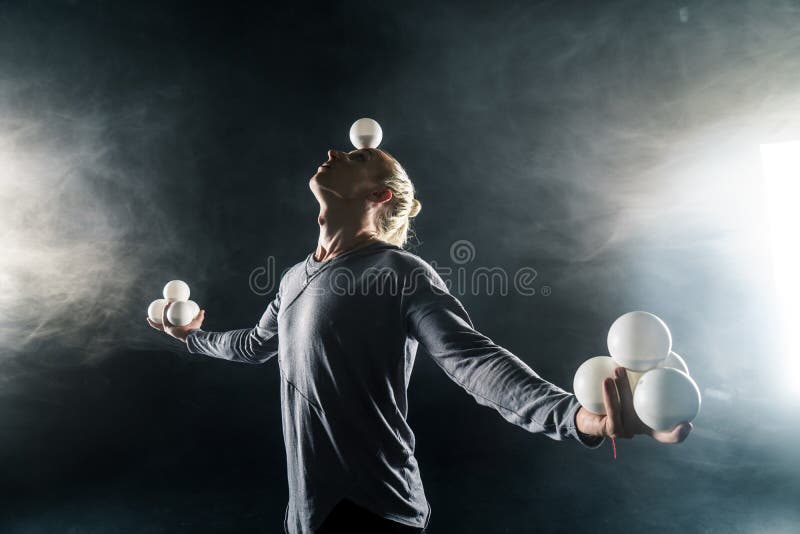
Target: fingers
column 197, row 322
column 621, row 418
column 628, row 414
column 676, row 435
column 614, row 426
column 684, row 432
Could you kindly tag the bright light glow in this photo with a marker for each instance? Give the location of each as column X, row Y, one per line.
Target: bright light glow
column 782, row 187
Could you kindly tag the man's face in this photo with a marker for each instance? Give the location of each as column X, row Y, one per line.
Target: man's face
column 350, row 175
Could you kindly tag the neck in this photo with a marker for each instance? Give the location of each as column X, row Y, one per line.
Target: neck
column 341, row 232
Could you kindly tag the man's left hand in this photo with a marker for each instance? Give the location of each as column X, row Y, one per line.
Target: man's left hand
column 620, row 419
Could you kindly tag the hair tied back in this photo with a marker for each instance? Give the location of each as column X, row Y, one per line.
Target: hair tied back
column 416, row 206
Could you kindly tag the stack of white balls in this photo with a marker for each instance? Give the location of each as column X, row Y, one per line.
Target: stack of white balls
column 664, row 395
column 182, row 310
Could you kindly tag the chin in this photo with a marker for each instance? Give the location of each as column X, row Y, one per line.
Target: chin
column 321, row 177
column 321, row 188
column 316, row 185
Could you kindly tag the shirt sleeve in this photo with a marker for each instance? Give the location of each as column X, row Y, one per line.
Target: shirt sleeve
column 249, row 345
column 491, row 374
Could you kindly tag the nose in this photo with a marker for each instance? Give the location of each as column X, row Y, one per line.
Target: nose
column 334, row 154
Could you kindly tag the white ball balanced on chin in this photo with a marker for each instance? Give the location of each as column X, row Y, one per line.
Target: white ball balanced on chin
column 366, row 133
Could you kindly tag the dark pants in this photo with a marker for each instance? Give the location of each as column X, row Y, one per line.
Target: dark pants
column 348, row 517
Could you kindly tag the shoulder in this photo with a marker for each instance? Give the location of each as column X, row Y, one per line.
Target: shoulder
column 414, row 270
column 407, row 262
column 292, row 274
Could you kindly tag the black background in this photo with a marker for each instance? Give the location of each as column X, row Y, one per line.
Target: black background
column 611, row 146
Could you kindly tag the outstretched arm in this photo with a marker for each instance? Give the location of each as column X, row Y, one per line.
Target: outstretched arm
column 249, row 345
column 491, row 374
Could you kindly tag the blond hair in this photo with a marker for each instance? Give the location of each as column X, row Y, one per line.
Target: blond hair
column 394, row 221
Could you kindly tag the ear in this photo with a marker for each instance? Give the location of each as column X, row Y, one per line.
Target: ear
column 381, row 195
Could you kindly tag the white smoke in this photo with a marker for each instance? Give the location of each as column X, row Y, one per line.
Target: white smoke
column 86, row 242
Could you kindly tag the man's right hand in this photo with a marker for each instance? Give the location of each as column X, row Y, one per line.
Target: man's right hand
column 178, row 332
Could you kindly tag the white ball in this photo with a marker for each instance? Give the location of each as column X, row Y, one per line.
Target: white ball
column 195, row 308
column 176, row 291
column 156, row 310
column 639, row 341
column 666, row 397
column 675, row 361
column 366, row 133
column 182, row 312
column 588, row 382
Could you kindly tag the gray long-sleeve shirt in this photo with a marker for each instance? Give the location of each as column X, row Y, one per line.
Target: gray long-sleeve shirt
column 348, row 339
